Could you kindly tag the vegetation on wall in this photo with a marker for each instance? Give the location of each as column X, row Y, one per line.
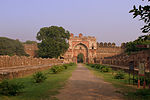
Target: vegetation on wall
column 30, row 42
column 54, row 41
column 11, row 47
column 133, row 45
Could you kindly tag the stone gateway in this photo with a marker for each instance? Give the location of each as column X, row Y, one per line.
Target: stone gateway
column 89, row 48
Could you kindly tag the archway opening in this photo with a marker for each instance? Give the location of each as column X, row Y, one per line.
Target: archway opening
column 80, row 58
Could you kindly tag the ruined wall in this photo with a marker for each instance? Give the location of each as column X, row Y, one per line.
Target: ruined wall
column 15, row 66
column 88, row 46
column 107, row 50
column 124, row 59
column 30, row 49
column 7, row 61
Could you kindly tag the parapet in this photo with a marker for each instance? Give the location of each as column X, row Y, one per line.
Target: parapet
column 71, row 35
column 101, row 44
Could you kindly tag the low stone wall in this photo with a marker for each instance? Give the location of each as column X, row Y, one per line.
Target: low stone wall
column 15, row 66
column 7, row 61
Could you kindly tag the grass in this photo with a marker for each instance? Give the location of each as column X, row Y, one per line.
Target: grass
column 130, row 92
column 42, row 91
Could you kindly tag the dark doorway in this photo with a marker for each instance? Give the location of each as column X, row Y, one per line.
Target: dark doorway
column 80, row 58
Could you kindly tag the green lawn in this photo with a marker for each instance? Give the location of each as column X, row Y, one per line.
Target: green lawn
column 130, row 92
column 42, row 91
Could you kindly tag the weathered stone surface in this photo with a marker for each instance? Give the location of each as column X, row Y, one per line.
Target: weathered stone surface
column 15, row 66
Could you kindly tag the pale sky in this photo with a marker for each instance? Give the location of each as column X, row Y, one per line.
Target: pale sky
column 107, row 20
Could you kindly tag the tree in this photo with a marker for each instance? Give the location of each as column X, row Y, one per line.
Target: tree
column 30, row 42
column 144, row 13
column 11, row 47
column 54, row 41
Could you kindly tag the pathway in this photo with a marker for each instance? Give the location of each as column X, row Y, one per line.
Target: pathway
column 83, row 85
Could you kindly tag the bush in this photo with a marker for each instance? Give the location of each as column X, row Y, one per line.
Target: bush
column 119, row 75
column 39, row 77
column 65, row 66
column 101, row 68
column 106, row 69
column 55, row 69
column 7, row 88
column 71, row 64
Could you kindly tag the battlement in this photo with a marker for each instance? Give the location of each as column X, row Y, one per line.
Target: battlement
column 80, row 36
column 110, row 45
column 101, row 44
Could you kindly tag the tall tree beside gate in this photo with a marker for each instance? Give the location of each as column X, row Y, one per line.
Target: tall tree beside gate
column 54, row 41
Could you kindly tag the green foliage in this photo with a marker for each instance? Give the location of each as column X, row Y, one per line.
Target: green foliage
column 11, row 47
column 147, row 80
column 65, row 66
column 119, row 75
column 140, row 94
column 46, row 90
column 142, row 40
column 71, row 64
column 144, row 13
column 54, row 41
column 101, row 68
column 7, row 88
column 30, row 42
column 106, row 69
column 39, row 77
column 57, row 68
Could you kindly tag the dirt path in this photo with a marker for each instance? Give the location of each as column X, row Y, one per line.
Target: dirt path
column 83, row 85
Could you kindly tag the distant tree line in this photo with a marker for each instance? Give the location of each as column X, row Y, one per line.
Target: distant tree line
column 11, row 47
column 29, row 42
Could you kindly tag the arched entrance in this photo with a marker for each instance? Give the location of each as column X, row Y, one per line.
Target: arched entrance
column 80, row 53
column 80, row 58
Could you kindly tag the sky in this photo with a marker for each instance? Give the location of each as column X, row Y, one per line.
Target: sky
column 107, row 20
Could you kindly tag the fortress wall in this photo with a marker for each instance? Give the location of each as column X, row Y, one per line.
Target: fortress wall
column 7, row 61
column 107, row 50
column 124, row 59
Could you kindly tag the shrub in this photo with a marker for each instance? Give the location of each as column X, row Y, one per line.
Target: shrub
column 119, row 75
column 71, row 64
column 97, row 66
column 105, row 69
column 65, row 66
column 55, row 69
column 39, row 77
column 7, row 88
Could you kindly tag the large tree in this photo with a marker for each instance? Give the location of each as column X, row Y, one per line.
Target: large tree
column 144, row 13
column 54, row 41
